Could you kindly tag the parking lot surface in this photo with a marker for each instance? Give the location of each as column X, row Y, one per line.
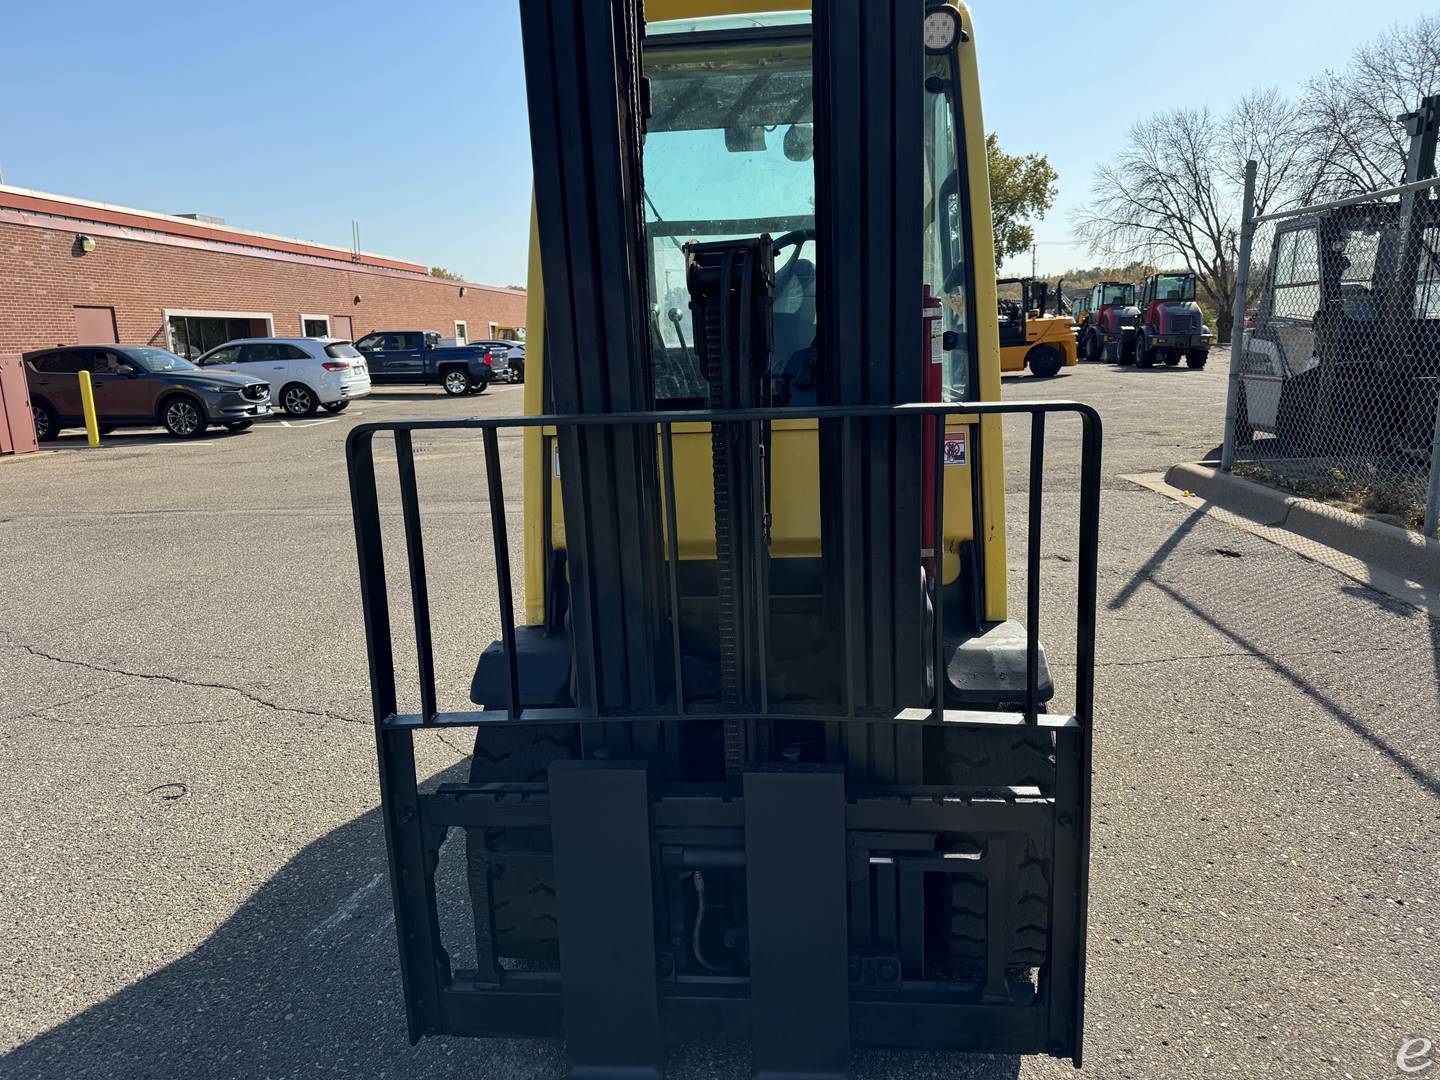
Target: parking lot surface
column 194, row 883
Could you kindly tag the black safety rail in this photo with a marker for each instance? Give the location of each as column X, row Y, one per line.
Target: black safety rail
column 912, row 1011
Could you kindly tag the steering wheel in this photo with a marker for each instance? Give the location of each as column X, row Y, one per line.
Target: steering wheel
column 798, row 237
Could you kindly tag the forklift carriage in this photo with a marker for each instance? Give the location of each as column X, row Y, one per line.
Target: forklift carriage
column 836, row 863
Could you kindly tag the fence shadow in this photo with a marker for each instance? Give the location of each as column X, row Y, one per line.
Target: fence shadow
column 1221, row 623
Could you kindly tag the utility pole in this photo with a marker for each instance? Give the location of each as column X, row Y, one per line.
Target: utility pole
column 1034, row 259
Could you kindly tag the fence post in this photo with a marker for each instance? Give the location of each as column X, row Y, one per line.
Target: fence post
column 1237, row 322
column 1432, row 498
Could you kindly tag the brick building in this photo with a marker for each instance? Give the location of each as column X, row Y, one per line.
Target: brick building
column 73, row 271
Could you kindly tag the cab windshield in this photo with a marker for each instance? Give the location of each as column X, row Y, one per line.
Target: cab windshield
column 1175, row 287
column 729, row 153
column 1118, row 294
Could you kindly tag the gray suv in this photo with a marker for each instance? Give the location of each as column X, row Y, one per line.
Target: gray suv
column 137, row 386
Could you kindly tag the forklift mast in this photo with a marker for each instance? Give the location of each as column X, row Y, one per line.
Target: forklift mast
column 766, row 758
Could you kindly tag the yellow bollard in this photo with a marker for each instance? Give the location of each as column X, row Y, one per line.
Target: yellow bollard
column 87, row 400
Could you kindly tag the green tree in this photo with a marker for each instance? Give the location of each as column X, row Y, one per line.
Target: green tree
column 441, row 272
column 1022, row 187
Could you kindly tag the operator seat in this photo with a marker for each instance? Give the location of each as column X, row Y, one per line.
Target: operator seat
column 794, row 318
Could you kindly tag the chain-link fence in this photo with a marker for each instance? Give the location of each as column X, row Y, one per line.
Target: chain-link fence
column 1334, row 376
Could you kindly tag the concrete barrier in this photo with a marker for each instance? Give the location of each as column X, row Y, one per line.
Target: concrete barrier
column 1261, row 504
column 1398, row 551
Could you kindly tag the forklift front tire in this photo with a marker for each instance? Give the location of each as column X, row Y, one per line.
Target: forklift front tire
column 521, row 893
column 1045, row 362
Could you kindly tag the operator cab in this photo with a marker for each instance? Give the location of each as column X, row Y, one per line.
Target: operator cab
column 729, row 153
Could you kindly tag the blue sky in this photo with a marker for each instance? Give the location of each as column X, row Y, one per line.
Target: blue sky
column 294, row 118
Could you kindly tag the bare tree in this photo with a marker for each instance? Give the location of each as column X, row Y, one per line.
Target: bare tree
column 1173, row 194
column 1353, row 142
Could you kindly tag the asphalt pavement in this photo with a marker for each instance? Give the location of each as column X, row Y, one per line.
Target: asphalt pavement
column 194, row 883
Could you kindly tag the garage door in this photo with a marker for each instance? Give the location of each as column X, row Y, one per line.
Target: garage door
column 95, row 326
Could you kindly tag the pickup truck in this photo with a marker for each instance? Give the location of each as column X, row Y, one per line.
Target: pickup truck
column 416, row 356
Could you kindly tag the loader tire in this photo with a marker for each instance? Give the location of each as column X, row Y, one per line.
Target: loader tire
column 974, row 757
column 522, row 895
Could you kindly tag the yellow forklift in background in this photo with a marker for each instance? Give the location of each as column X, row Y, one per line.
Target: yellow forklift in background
column 762, row 755
column 1030, row 335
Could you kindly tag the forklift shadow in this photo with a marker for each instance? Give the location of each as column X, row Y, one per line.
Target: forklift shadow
column 304, row 980
column 1023, row 377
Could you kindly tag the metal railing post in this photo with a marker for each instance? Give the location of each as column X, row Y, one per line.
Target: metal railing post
column 1432, row 497
column 1237, row 325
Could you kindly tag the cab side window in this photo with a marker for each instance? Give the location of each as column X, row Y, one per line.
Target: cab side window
column 252, row 354
column 107, row 362
column 65, row 363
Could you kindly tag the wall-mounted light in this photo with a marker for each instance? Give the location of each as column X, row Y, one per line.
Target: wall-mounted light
column 357, row 297
column 85, row 244
column 462, row 290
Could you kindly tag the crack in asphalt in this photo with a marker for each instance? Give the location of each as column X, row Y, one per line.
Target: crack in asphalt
column 447, row 742
column 177, row 680
column 1227, row 655
column 1224, row 655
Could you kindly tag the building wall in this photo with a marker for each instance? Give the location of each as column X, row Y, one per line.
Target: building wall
column 43, row 279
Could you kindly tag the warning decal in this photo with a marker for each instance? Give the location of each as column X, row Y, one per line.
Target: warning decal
column 955, row 447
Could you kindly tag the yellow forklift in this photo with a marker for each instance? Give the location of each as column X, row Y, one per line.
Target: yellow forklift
column 1031, row 336
column 761, row 755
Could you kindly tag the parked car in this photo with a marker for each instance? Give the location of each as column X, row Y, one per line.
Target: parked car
column 514, row 359
column 139, row 386
column 309, row 373
column 416, row 356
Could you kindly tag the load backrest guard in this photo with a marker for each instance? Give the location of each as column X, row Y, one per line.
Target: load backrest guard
column 781, row 798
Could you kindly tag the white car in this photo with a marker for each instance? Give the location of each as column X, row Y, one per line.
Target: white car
column 304, row 374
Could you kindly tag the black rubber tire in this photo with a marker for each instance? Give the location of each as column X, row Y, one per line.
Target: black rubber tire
column 970, row 757
column 1124, row 357
column 455, row 381
column 298, row 400
column 1045, row 361
column 479, row 387
column 47, row 424
column 1029, row 914
column 1144, row 357
column 1244, row 433
column 105, row 429
column 183, row 417
column 522, row 895
column 237, row 426
column 1170, row 357
column 1094, row 347
column 1196, row 358
column 336, row 406
column 517, row 371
